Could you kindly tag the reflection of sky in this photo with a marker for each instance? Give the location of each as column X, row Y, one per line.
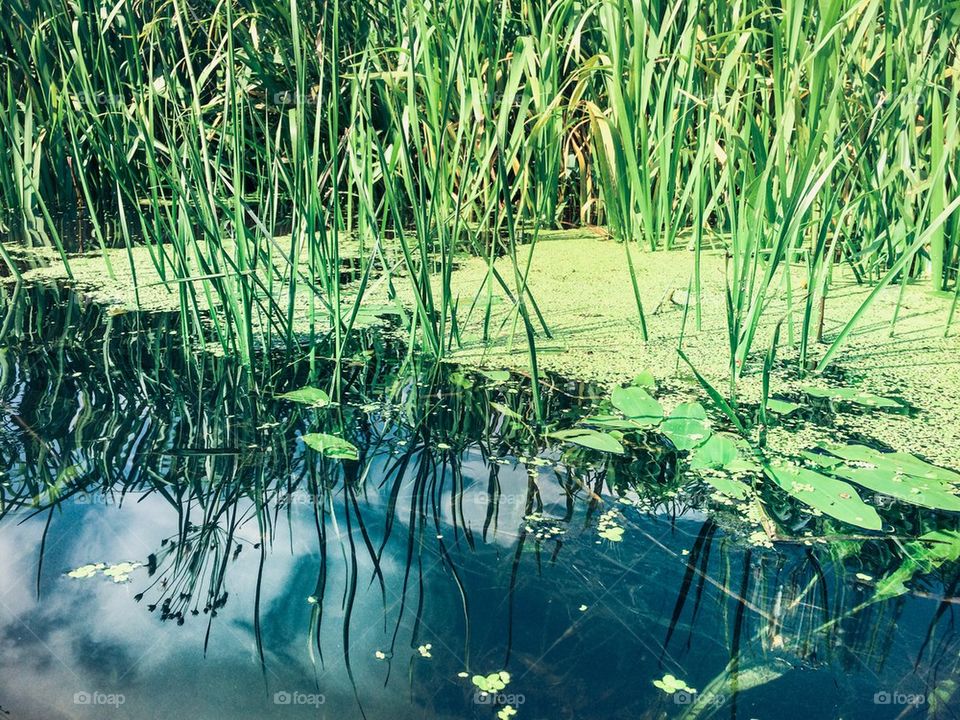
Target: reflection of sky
column 91, row 636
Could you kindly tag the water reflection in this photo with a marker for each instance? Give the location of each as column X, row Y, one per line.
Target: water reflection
column 278, row 583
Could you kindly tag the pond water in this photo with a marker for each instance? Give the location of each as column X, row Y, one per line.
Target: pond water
column 263, row 580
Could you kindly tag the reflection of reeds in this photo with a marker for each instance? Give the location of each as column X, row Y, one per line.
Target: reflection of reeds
column 137, row 418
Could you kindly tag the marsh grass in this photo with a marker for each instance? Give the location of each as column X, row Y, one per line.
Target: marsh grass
column 784, row 133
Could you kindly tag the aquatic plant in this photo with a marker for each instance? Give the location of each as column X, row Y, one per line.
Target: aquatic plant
column 292, row 168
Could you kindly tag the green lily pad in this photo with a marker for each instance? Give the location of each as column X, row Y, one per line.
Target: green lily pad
column 492, row 683
column 497, row 376
column 895, row 461
column 909, row 489
column 687, row 427
column 86, row 571
column 307, row 396
column 828, row 495
column 782, row 407
column 613, row 534
column 637, row 405
column 331, row 446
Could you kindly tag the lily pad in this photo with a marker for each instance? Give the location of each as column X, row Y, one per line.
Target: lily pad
column 492, row 683
column 86, row 571
column 497, row 376
column 782, row 407
column 687, row 427
column 909, row 489
column 828, row 495
column 670, row 684
column 637, row 404
column 896, row 461
column 331, row 446
column 312, row 396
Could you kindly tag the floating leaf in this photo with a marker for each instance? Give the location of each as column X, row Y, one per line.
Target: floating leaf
column 828, row 495
column 896, row 461
column 637, row 405
column 852, row 395
column 307, row 396
column 782, row 407
column 331, row 446
column 613, row 534
column 593, row 439
column 718, row 452
column 909, row 489
column 498, row 376
column 687, row 427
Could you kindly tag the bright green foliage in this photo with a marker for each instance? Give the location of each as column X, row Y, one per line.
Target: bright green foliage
column 307, row 396
column 262, row 151
column 828, row 495
column 331, row 446
column 687, row 426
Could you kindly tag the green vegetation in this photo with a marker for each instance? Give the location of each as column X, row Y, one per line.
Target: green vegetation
column 281, row 160
column 434, row 522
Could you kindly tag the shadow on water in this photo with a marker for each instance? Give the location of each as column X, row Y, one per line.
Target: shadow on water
column 221, row 569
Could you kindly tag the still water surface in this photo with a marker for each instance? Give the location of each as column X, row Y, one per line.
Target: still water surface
column 267, row 582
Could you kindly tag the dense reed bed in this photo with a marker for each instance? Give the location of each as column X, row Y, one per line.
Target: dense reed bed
column 257, row 147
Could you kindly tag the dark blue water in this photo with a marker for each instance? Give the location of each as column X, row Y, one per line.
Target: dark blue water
column 275, row 583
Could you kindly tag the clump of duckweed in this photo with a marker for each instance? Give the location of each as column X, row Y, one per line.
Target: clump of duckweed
column 119, row 573
column 542, row 527
column 608, row 528
column 670, row 684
